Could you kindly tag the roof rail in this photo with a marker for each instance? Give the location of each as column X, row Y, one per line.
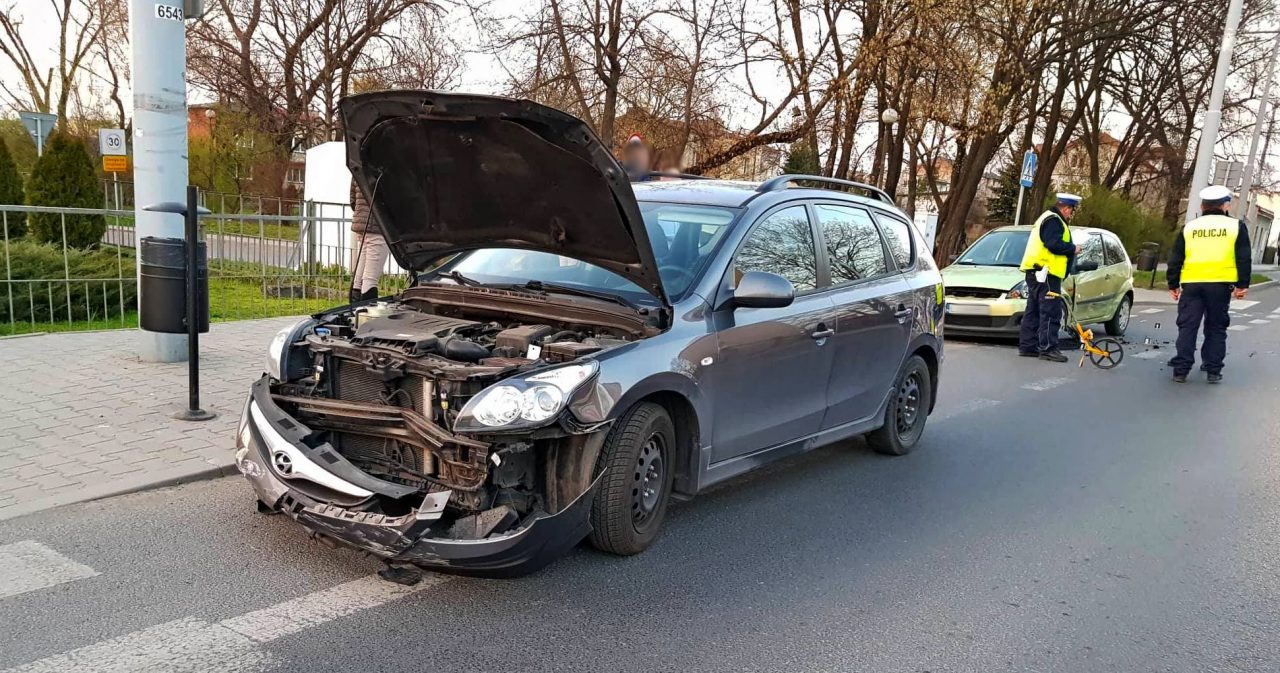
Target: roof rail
column 781, row 182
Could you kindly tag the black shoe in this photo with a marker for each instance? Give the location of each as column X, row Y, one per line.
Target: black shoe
column 1053, row 356
column 371, row 293
column 1179, row 378
column 1215, row 377
column 1028, row 354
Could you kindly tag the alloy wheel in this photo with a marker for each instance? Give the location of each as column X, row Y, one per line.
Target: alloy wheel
column 1123, row 318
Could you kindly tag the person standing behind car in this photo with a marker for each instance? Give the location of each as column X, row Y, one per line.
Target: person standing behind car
column 636, row 159
column 1047, row 260
column 1209, row 263
column 370, row 248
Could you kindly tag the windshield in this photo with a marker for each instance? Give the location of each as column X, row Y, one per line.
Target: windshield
column 997, row 248
column 683, row 238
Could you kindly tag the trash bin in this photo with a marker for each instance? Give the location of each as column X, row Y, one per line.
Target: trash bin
column 163, row 288
column 1148, row 257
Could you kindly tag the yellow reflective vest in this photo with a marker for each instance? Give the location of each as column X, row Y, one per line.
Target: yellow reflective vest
column 1036, row 255
column 1210, row 242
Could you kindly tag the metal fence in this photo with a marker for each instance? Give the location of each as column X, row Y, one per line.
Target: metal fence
column 118, row 195
column 259, row 266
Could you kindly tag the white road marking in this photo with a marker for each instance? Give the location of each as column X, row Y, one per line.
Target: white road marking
column 1046, row 384
column 320, row 607
column 1238, row 328
column 183, row 646
column 1150, row 311
column 965, row 407
column 30, row 566
column 1243, row 303
column 1147, row 355
column 192, row 645
column 1259, row 321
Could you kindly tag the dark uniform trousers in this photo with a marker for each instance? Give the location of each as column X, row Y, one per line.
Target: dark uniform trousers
column 1207, row 301
column 1043, row 317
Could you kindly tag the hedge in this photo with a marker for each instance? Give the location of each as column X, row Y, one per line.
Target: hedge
column 96, row 287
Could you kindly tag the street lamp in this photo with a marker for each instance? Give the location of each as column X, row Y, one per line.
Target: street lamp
column 889, row 117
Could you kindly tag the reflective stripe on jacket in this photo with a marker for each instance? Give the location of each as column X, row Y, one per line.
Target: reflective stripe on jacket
column 1036, row 255
column 1210, row 243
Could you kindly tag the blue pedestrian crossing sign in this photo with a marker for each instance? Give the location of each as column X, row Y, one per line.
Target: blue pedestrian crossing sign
column 1028, row 168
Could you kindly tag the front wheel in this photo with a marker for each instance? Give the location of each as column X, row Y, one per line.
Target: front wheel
column 638, row 460
column 1120, row 321
column 908, row 410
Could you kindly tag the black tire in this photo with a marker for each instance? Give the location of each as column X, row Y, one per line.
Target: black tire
column 907, row 411
column 637, row 458
column 1119, row 322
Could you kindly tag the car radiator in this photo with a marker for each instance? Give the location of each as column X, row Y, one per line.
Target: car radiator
column 354, row 383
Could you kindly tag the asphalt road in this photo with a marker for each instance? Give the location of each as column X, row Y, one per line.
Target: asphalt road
column 1054, row 519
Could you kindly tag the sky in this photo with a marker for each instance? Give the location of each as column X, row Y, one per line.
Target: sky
column 483, row 73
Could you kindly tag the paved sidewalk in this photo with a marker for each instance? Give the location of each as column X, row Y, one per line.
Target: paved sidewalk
column 82, row 418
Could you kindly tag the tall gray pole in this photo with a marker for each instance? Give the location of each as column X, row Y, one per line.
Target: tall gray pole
column 1246, row 182
column 158, row 37
column 1213, row 117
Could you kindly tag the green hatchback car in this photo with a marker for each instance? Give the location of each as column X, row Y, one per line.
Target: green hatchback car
column 986, row 293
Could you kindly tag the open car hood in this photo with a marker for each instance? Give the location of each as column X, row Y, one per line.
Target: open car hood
column 446, row 173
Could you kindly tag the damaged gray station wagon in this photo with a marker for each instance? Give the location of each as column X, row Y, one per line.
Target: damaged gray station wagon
column 574, row 350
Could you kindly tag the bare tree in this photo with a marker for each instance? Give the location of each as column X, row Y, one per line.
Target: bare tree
column 46, row 83
column 287, row 64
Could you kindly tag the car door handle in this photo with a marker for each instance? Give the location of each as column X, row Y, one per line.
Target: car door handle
column 903, row 313
column 822, row 333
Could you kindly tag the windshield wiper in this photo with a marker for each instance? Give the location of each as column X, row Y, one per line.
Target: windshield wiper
column 540, row 286
column 461, row 279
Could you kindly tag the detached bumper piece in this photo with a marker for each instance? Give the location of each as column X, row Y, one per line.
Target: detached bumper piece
column 463, row 546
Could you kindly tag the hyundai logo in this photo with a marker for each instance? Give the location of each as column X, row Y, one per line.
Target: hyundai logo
column 283, row 463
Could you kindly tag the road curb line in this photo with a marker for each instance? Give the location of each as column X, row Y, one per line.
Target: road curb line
column 213, row 472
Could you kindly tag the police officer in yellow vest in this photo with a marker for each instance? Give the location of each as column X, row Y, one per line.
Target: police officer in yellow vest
column 1209, row 263
column 1049, row 257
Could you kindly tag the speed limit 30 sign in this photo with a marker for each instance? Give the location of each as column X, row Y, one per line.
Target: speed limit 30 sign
column 111, row 142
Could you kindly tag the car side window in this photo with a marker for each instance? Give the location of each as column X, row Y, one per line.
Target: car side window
column 1091, row 251
column 854, row 247
column 783, row 244
column 1114, row 251
column 898, row 235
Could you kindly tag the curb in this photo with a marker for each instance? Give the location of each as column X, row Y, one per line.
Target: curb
column 62, row 500
column 214, row 472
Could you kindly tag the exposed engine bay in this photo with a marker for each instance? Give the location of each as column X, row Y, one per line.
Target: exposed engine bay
column 384, row 383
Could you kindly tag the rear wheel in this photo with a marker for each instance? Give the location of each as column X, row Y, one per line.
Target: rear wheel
column 637, row 458
column 1120, row 321
column 908, row 410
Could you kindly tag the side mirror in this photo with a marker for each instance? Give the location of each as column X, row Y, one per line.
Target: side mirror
column 1087, row 266
column 761, row 289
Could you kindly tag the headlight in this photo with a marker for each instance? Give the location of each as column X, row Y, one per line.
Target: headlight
column 1018, row 291
column 279, row 364
column 526, row 402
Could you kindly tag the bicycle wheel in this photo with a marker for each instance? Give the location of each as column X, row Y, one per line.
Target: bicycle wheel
column 1114, row 353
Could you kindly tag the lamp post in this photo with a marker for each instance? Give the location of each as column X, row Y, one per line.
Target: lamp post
column 212, row 116
column 1213, row 116
column 889, row 117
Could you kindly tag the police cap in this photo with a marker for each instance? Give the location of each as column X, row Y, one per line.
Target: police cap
column 1214, row 195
